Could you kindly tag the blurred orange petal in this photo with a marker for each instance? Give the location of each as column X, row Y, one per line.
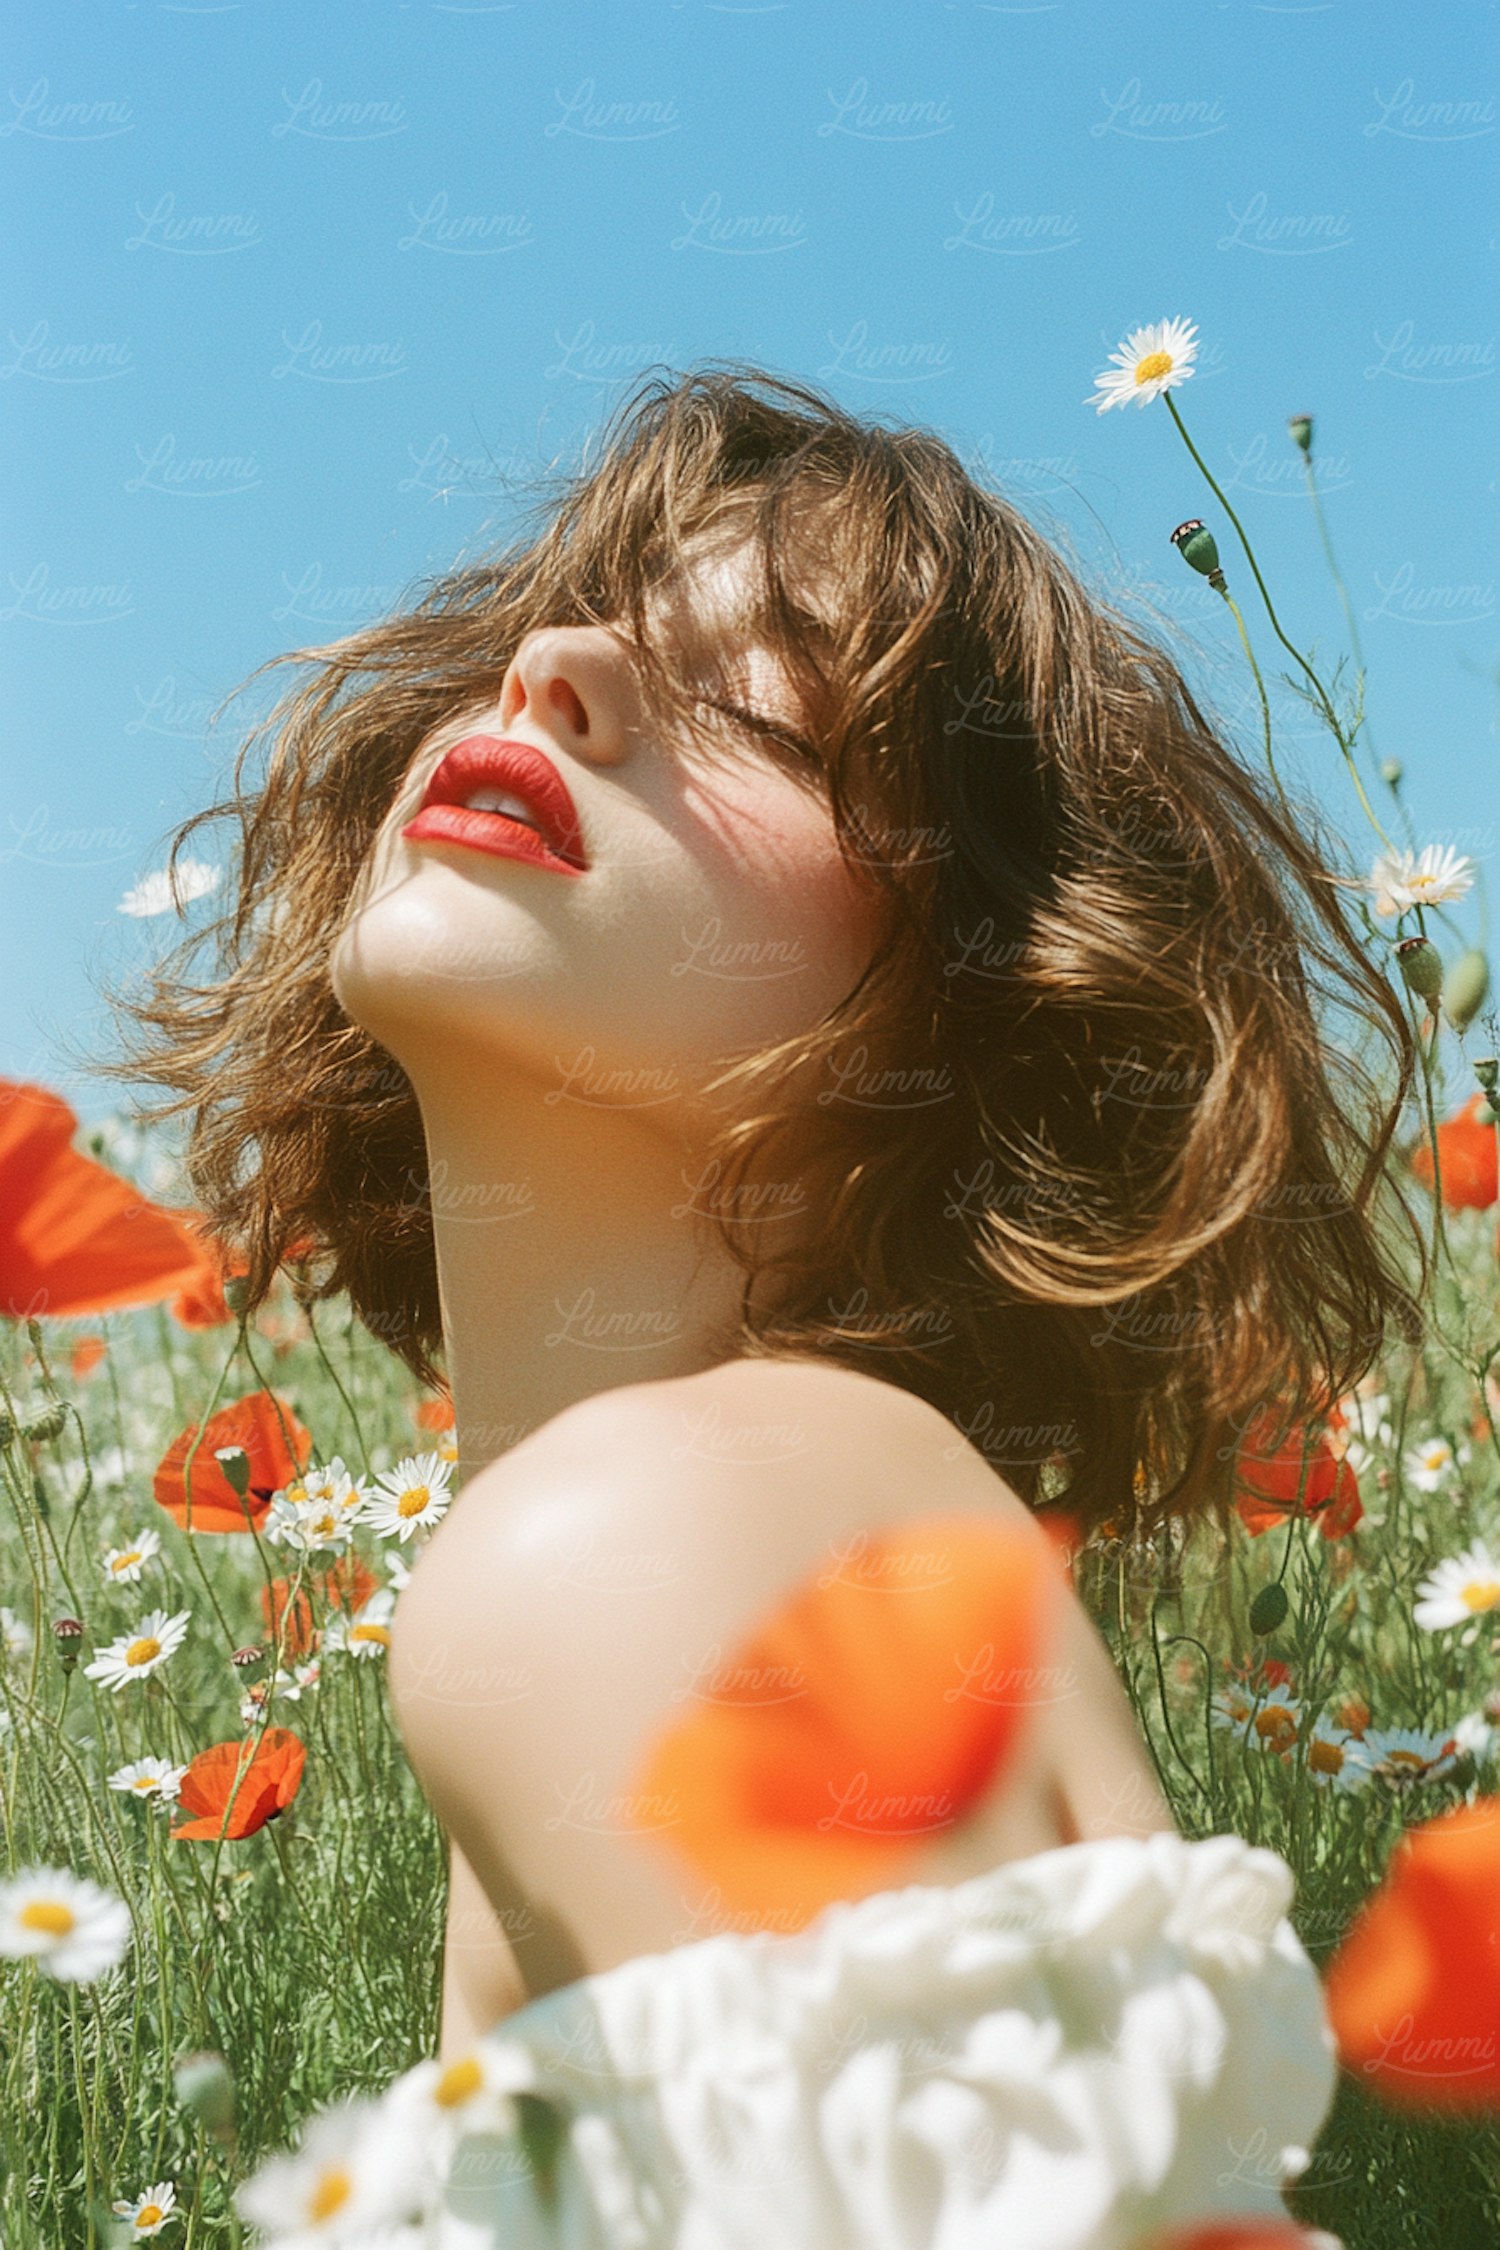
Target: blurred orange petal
column 1414, row 1990
column 870, row 1713
column 435, row 1413
column 74, row 1236
column 1467, row 1156
column 86, row 1355
column 254, row 1423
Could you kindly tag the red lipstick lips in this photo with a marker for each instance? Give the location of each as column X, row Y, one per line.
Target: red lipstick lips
column 502, row 797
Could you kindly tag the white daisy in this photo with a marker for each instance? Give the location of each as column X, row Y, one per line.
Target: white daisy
column 15, row 1634
column 354, row 2172
column 1474, row 1733
column 125, row 1564
column 1271, row 1719
column 150, row 2212
column 443, row 2101
column 1332, row 1756
column 133, row 1655
column 308, row 1524
column 1430, row 1464
column 1403, row 1756
column 1150, row 361
column 148, row 1777
column 160, row 893
column 255, row 1698
column 1459, row 1589
column 446, row 1447
column 368, row 1631
column 1430, row 877
column 409, row 1498
column 72, row 1927
column 306, row 1677
column 397, row 1572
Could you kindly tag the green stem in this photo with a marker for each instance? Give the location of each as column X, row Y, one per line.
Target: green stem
column 1291, row 648
column 1260, row 685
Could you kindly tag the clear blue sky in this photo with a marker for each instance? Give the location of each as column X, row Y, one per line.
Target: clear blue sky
column 493, row 215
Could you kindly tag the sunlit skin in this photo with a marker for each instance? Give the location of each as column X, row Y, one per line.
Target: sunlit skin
column 562, row 1033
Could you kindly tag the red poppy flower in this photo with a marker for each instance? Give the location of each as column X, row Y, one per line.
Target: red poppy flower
column 254, row 1424
column 202, row 1304
column 76, row 1237
column 87, row 1353
column 1467, row 1155
column 1269, row 1476
column 1414, row 1990
column 272, row 1775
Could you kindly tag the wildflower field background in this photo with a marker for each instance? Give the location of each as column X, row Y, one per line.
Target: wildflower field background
column 250, row 1982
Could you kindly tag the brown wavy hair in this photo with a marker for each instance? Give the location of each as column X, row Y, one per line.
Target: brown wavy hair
column 1126, row 1187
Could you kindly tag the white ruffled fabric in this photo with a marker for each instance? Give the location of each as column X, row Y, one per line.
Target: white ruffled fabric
column 1065, row 2053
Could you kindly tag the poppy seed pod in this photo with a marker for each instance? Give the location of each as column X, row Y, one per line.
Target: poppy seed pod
column 1392, row 772
column 1299, row 428
column 1487, row 1071
column 237, row 1293
column 1421, row 966
column 203, row 2085
column 1268, row 1608
column 48, row 1422
column 1465, row 987
column 68, row 1632
column 1199, row 549
column 235, row 1462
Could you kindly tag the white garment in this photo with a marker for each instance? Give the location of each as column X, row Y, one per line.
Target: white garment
column 1061, row 2054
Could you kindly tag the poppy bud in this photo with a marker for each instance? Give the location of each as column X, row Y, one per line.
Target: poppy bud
column 1487, row 1070
column 1199, row 550
column 1268, row 1608
column 1421, row 966
column 237, row 1293
column 1299, row 427
column 1392, row 772
column 246, row 1658
column 7, row 1429
column 48, row 1422
column 235, row 1462
column 203, row 2084
column 67, row 1632
column 1465, row 987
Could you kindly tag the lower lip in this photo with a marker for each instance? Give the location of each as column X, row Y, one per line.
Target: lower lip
column 490, row 832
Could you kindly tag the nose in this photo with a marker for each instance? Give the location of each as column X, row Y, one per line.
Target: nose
column 567, row 680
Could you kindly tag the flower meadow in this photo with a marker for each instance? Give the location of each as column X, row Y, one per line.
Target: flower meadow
column 223, row 1895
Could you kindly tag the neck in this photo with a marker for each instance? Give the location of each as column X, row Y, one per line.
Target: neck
column 572, row 1256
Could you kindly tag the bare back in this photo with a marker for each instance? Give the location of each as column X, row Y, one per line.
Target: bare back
column 591, row 1582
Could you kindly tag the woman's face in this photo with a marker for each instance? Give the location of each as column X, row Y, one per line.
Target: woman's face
column 715, row 913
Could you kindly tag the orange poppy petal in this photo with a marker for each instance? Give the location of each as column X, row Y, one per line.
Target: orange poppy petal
column 275, row 1444
column 75, row 1237
column 1467, row 1149
column 872, row 1711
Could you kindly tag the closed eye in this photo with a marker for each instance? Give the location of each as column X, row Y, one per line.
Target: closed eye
column 772, row 729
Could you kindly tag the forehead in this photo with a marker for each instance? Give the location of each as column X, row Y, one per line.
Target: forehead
column 715, row 609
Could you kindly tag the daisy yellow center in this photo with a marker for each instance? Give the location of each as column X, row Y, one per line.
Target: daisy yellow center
column 296, row 1493
column 413, row 1500
column 1326, row 1757
column 1404, row 1764
column 1154, row 365
column 47, row 1914
column 1481, row 1593
column 149, row 2215
column 1435, row 1456
column 123, row 1562
column 459, row 2082
column 145, row 1783
column 381, row 1633
column 1276, row 1726
column 332, row 2192
column 143, row 1651
column 324, row 1523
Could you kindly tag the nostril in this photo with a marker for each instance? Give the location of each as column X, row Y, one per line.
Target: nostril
column 569, row 703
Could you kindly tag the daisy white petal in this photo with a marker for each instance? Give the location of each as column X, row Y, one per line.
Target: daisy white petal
column 1459, row 1590
column 149, row 2213
column 368, row 1632
column 159, row 892
column 133, row 1655
column 411, row 1497
column 124, row 1565
column 69, row 1925
column 1151, row 360
column 148, row 1778
column 1430, row 1464
column 1433, row 876
column 1404, row 1756
column 16, row 1636
column 354, row 2172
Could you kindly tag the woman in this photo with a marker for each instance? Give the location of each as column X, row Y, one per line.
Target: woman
column 793, row 997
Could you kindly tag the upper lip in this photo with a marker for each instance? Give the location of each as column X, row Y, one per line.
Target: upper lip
column 487, row 761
